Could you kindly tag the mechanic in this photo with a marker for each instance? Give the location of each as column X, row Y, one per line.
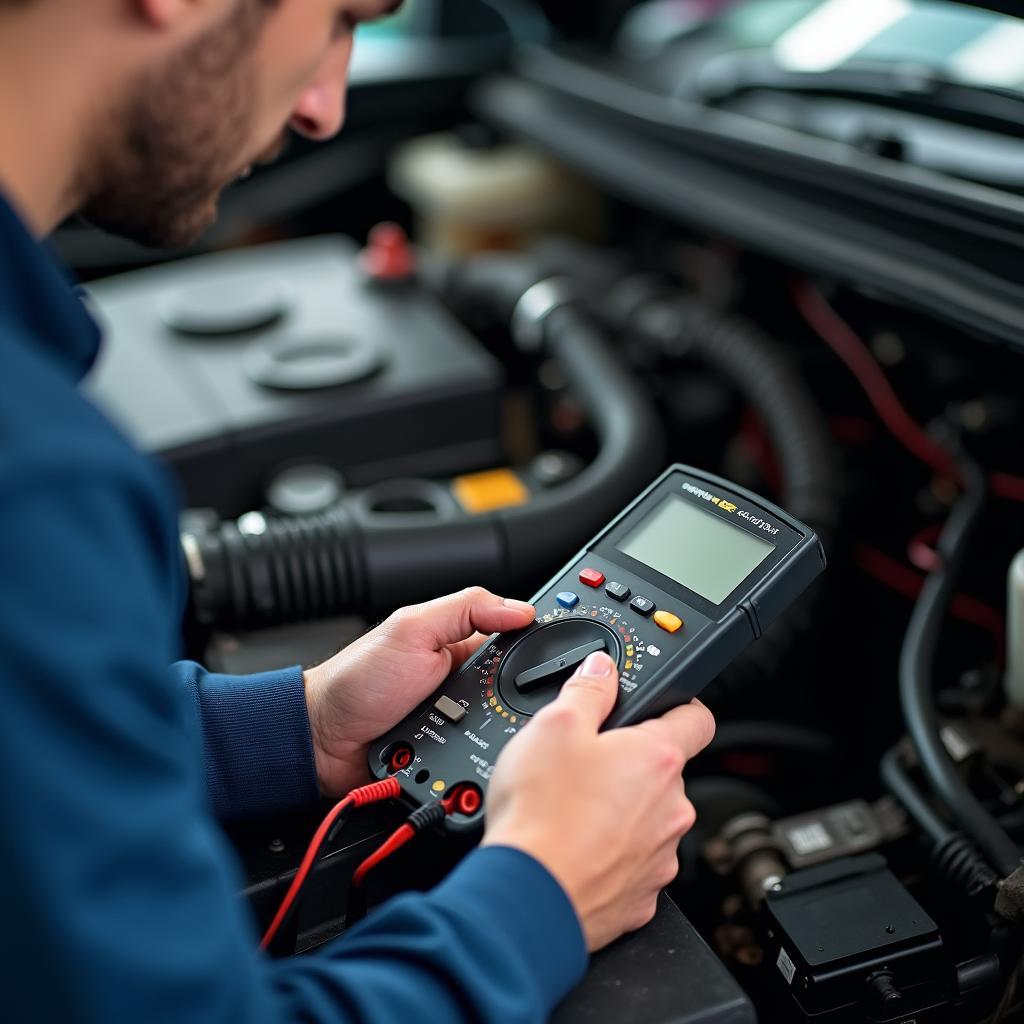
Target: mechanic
column 121, row 897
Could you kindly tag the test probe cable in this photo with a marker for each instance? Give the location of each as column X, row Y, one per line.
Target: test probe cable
column 375, row 792
column 462, row 800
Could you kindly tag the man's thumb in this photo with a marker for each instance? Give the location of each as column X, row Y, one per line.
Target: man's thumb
column 593, row 687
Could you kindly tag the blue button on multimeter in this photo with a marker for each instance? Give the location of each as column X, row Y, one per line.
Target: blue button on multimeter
column 724, row 560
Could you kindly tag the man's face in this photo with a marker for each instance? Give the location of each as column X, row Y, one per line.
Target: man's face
column 225, row 101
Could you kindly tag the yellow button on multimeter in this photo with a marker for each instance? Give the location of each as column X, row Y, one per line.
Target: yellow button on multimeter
column 668, row 622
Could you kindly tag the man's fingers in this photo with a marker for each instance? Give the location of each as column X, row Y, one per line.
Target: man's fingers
column 453, row 618
column 691, row 726
column 592, row 689
column 464, row 648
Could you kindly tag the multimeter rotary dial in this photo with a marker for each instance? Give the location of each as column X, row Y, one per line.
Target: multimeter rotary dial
column 537, row 665
column 519, row 680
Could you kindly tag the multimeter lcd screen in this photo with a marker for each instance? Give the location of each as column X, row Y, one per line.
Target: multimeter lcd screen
column 696, row 548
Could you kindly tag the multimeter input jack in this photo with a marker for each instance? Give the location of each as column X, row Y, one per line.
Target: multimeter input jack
column 465, row 798
column 397, row 756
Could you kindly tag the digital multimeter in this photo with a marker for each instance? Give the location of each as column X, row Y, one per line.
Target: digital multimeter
column 673, row 589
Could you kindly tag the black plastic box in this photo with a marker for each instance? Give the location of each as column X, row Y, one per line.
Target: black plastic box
column 849, row 934
column 192, row 347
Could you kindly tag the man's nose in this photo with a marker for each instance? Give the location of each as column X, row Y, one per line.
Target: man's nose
column 320, row 111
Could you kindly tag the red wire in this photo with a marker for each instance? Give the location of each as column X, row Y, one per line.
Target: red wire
column 304, row 868
column 395, row 841
column 844, row 341
column 921, row 548
column 374, row 792
column 1008, row 486
column 903, row 580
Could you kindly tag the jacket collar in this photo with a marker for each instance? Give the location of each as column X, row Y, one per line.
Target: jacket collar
column 39, row 296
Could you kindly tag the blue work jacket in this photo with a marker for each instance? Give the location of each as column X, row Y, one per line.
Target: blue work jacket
column 120, row 891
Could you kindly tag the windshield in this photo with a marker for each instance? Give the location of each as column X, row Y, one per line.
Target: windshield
column 930, row 83
column 955, row 41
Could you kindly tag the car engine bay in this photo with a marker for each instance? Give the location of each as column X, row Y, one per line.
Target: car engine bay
column 607, row 244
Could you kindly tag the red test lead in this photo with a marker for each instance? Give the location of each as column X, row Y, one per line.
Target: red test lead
column 386, row 789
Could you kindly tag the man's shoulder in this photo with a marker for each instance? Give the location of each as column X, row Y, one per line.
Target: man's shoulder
column 52, row 435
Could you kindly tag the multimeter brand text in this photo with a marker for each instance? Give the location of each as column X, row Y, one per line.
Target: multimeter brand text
column 728, row 506
column 759, row 523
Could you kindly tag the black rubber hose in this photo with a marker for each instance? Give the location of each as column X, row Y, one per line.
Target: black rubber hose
column 534, row 538
column 541, row 534
column 954, row 858
column 759, row 368
column 630, row 435
column 761, row 371
column 631, row 451
column 898, row 782
column 260, row 571
column 917, row 660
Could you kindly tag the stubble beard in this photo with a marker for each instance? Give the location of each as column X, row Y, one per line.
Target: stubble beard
column 179, row 138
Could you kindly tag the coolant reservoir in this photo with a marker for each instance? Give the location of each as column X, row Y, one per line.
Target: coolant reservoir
column 469, row 197
column 1015, row 632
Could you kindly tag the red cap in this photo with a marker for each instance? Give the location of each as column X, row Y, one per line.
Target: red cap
column 388, row 256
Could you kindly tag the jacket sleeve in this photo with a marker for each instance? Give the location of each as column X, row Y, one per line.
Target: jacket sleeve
column 257, row 751
column 126, row 899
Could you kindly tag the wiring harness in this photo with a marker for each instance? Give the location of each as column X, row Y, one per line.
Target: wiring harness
column 956, row 853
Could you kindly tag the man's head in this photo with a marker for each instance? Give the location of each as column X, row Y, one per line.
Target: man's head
column 203, row 89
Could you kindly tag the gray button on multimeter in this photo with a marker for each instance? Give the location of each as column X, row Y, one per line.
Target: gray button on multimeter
column 714, row 563
column 452, row 711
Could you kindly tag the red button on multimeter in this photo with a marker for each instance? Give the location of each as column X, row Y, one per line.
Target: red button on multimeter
column 591, row 577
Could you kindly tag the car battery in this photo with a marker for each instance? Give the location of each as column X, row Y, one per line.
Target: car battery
column 239, row 366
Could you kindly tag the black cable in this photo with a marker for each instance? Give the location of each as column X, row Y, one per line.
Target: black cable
column 421, row 819
column 954, row 858
column 917, row 659
column 898, row 782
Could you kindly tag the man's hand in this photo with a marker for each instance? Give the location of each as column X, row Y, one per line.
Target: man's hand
column 376, row 681
column 603, row 812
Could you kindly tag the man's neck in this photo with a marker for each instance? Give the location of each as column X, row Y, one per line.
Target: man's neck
column 42, row 124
